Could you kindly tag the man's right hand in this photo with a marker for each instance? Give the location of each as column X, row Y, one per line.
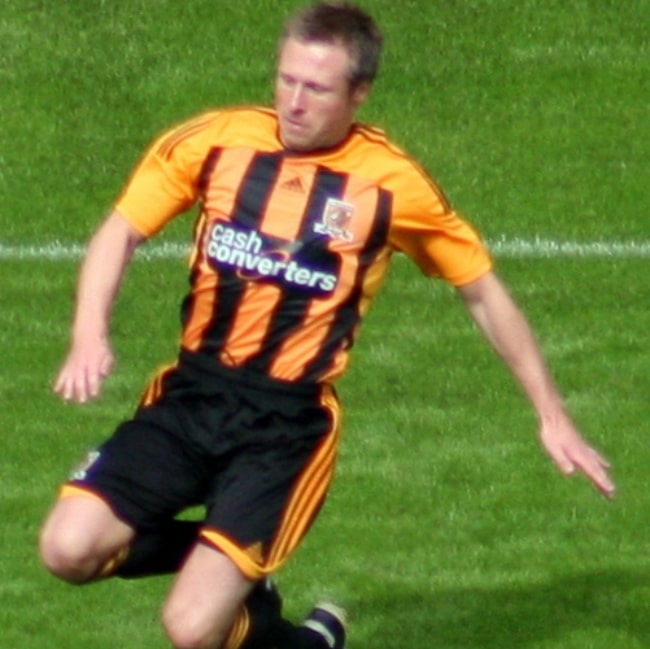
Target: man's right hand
column 84, row 370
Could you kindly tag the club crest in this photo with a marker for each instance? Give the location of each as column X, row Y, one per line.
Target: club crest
column 335, row 220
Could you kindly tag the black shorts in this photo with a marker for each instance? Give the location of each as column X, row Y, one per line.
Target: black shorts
column 258, row 454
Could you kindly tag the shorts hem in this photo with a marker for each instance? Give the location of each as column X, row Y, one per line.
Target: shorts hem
column 250, row 568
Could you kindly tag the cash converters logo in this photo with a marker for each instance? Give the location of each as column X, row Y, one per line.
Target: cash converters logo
column 257, row 257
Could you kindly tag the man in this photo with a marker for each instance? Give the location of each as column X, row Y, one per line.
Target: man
column 300, row 209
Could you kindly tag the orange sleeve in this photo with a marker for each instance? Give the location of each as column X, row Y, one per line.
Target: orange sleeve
column 427, row 229
column 165, row 182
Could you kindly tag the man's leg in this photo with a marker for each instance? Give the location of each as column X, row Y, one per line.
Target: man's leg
column 82, row 538
column 204, row 601
column 212, row 605
column 260, row 624
column 160, row 550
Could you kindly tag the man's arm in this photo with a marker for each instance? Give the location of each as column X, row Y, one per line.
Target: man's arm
column 509, row 333
column 90, row 358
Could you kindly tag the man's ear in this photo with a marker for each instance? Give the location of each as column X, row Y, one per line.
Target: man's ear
column 361, row 93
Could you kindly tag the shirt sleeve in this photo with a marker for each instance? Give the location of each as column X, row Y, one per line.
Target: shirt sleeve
column 429, row 231
column 165, row 183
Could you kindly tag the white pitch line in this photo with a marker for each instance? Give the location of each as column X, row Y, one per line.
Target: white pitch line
column 505, row 247
column 548, row 248
column 59, row 251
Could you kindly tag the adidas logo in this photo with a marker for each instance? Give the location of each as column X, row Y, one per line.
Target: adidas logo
column 293, row 185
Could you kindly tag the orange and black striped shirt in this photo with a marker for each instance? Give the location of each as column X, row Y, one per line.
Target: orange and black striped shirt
column 290, row 248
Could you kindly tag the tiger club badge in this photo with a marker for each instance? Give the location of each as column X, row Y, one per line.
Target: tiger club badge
column 335, row 220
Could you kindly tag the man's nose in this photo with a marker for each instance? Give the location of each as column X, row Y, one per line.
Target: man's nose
column 298, row 98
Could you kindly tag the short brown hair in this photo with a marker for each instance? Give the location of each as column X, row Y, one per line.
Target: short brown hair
column 342, row 22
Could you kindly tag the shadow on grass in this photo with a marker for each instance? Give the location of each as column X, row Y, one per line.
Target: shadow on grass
column 614, row 603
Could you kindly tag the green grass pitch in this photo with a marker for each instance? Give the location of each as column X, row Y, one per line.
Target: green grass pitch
column 447, row 528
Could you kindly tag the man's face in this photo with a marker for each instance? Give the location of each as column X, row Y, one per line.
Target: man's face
column 315, row 104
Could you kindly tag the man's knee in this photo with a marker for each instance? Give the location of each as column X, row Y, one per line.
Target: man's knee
column 66, row 554
column 79, row 537
column 187, row 627
column 204, row 604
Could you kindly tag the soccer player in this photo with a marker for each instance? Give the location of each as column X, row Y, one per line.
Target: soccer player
column 299, row 211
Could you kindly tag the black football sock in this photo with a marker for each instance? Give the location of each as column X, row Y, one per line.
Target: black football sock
column 268, row 629
column 159, row 551
column 292, row 636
